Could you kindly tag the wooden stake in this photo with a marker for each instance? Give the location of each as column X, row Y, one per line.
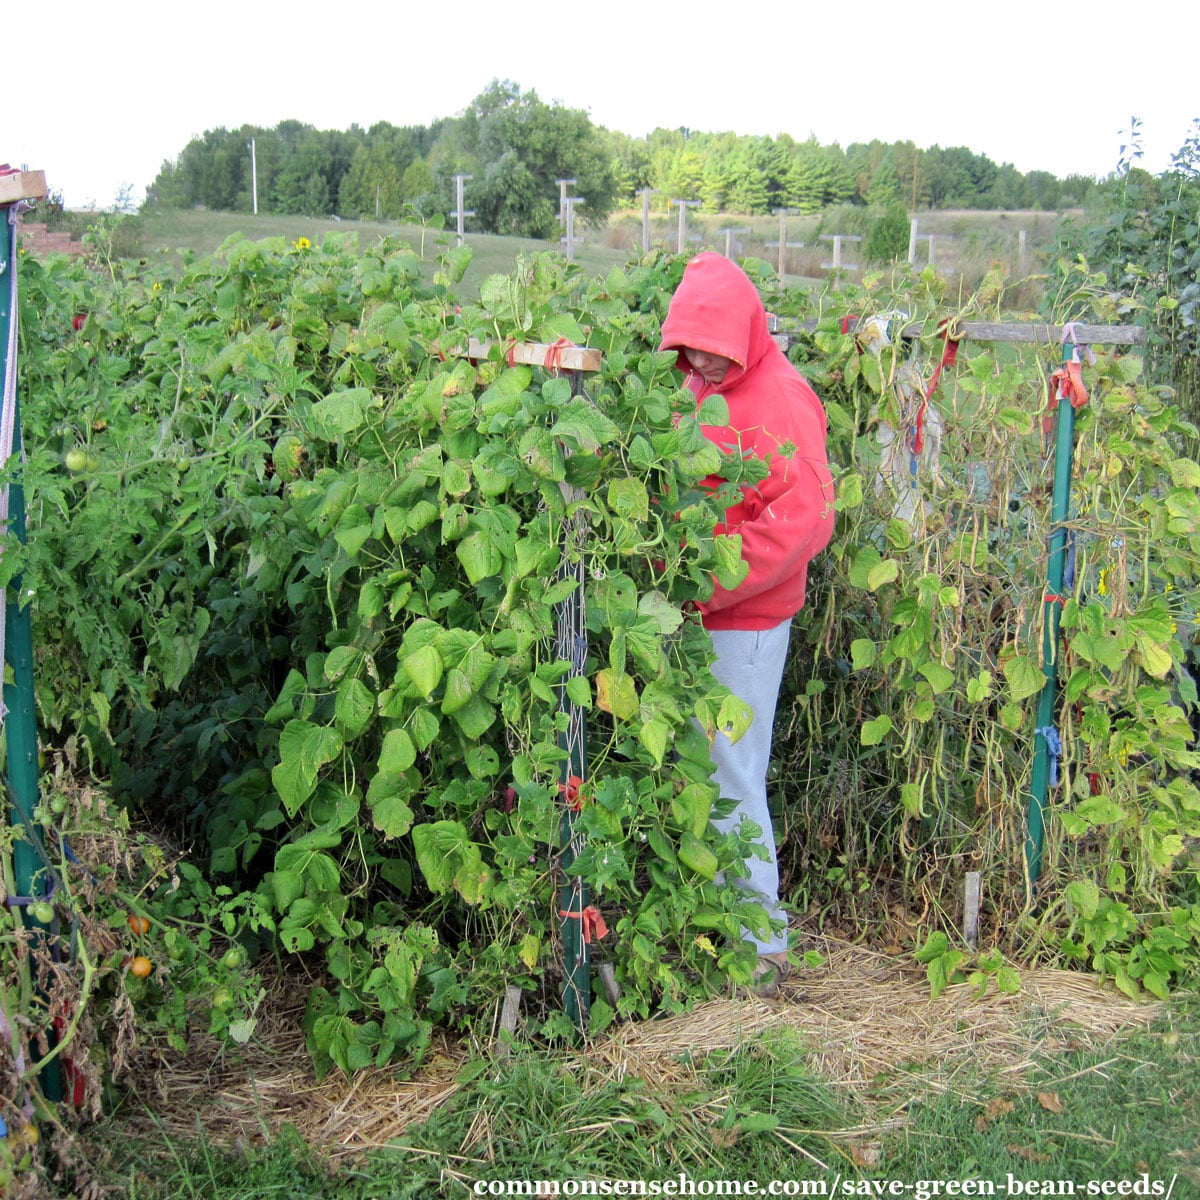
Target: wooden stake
column 612, row 989
column 971, row 910
column 508, row 1018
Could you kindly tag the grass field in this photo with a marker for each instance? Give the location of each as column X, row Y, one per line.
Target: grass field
column 967, row 243
column 165, row 233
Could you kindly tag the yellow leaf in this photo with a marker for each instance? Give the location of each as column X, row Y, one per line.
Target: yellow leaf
column 528, row 950
column 1050, row 1101
column 1155, row 659
column 616, row 693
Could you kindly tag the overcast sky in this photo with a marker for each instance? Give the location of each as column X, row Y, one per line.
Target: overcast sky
column 1044, row 86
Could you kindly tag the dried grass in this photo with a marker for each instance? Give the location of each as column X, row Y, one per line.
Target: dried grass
column 866, row 1018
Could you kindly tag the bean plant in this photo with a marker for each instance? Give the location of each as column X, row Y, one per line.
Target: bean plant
column 300, row 532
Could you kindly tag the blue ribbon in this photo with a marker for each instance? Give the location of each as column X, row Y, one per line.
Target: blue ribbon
column 1054, row 746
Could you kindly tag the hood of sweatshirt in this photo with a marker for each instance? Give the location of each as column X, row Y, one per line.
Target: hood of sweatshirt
column 717, row 309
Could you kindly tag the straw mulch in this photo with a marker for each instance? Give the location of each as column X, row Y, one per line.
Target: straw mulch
column 865, row 1018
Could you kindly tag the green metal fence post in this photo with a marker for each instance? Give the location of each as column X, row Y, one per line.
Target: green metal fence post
column 1044, row 750
column 20, row 723
column 573, row 890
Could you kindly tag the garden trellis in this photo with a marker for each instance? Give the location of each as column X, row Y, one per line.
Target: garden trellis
column 580, row 921
column 1067, row 393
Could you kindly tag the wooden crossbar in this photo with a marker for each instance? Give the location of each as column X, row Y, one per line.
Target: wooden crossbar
column 1051, row 335
column 22, row 185
column 539, row 354
column 990, row 331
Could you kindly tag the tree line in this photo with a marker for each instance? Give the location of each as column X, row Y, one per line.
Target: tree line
column 515, row 148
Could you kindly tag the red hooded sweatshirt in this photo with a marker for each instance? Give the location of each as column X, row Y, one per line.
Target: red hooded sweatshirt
column 787, row 518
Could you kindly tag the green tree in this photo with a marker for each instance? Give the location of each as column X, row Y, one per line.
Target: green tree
column 1075, row 190
column 552, row 143
column 508, row 135
column 507, row 199
column 862, row 160
column 1009, row 189
column 716, row 183
column 629, row 160
column 167, row 189
column 907, row 161
column 302, row 184
column 373, row 184
column 959, row 178
column 809, row 184
column 839, row 187
column 684, row 176
column 417, row 181
column 885, row 185
column 887, row 239
column 1044, row 190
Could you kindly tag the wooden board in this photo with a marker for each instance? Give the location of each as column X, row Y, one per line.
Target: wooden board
column 1051, row 335
column 22, row 185
column 988, row 331
column 539, row 354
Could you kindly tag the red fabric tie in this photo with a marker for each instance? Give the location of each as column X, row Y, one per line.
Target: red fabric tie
column 1066, row 382
column 949, row 355
column 593, row 922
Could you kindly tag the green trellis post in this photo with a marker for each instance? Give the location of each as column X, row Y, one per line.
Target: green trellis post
column 1047, row 748
column 20, row 722
column 571, row 646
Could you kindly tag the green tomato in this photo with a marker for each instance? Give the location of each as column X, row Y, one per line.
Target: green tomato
column 222, row 998
column 42, row 912
column 232, row 958
column 77, row 460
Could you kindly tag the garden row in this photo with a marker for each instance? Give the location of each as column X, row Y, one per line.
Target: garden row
column 296, row 558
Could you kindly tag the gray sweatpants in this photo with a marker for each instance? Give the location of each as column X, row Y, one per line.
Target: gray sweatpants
column 750, row 663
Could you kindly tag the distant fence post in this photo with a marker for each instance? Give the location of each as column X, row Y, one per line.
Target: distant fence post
column 945, row 237
column 1022, row 263
column 683, row 206
column 912, row 240
column 784, row 213
column 569, row 203
column 729, row 232
column 837, row 266
column 563, row 184
column 459, row 212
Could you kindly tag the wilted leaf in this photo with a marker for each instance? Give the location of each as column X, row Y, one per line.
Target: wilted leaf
column 866, row 1154
column 1028, row 1153
column 998, row 1107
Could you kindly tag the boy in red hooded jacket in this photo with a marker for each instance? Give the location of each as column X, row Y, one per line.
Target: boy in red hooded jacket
column 717, row 323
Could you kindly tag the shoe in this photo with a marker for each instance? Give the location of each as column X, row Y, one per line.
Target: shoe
column 771, row 971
